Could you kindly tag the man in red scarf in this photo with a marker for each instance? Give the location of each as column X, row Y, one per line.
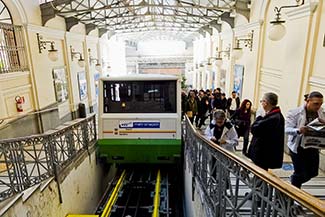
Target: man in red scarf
column 267, row 145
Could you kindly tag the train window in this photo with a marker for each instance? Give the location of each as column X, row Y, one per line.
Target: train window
column 140, row 97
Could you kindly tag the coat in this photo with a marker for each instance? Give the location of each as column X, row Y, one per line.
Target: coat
column 296, row 118
column 229, row 102
column 267, row 145
column 228, row 134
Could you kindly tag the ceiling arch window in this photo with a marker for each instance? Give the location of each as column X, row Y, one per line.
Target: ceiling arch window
column 12, row 49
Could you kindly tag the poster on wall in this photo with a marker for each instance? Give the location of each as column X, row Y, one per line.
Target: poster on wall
column 238, row 79
column 96, row 80
column 82, row 82
column 223, row 79
column 60, row 84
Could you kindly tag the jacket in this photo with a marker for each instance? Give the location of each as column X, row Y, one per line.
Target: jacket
column 228, row 134
column 267, row 145
column 229, row 102
column 296, row 118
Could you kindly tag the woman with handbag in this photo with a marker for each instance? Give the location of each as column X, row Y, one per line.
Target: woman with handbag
column 242, row 121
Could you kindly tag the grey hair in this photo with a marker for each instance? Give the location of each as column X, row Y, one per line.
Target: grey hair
column 271, row 98
column 219, row 114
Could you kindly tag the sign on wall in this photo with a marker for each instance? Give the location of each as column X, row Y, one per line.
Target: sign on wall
column 238, row 79
column 60, row 84
column 82, row 82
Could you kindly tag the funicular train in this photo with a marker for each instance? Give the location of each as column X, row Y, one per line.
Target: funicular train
column 140, row 119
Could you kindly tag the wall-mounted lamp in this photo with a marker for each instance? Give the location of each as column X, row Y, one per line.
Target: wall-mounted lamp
column 53, row 53
column 81, row 61
column 219, row 58
column 278, row 30
column 98, row 66
column 106, row 64
column 237, row 51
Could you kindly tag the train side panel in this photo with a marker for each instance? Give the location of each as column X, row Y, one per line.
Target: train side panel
column 139, row 137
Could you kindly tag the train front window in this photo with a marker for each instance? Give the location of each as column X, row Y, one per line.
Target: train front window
column 140, row 97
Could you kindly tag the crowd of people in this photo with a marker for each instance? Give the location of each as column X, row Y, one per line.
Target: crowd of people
column 230, row 119
column 200, row 105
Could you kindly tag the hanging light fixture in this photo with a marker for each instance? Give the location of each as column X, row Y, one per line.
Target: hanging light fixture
column 81, row 61
column 98, row 66
column 237, row 51
column 53, row 53
column 278, row 30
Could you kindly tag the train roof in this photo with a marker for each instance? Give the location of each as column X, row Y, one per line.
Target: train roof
column 140, row 77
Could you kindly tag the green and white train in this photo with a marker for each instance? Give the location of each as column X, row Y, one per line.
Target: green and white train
column 140, row 119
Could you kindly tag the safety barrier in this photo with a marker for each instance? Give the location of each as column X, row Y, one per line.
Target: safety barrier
column 232, row 186
column 27, row 161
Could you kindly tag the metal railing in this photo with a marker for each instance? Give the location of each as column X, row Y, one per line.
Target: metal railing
column 12, row 49
column 27, row 161
column 232, row 186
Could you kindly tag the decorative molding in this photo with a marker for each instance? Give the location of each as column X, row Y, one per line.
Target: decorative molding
column 16, row 89
column 13, row 75
column 92, row 39
column 243, row 29
column 226, row 34
column 275, row 73
column 317, row 82
column 300, row 12
column 74, row 36
column 270, row 86
column 51, row 33
column 21, row 11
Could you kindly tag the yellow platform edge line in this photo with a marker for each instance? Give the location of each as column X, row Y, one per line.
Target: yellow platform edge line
column 156, row 202
column 113, row 197
column 80, row 215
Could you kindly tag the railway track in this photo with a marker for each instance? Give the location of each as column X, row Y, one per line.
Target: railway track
column 141, row 192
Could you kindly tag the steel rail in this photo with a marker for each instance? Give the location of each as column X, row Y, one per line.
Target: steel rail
column 156, row 202
column 127, row 203
column 113, row 196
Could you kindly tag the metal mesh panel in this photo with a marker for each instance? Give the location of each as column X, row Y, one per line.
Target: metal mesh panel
column 26, row 161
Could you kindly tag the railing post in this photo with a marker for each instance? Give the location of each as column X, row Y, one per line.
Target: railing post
column 53, row 154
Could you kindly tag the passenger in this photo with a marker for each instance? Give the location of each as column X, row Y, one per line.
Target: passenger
column 223, row 102
column 202, row 109
column 305, row 161
column 217, row 103
column 183, row 101
column 222, row 132
column 267, row 145
column 233, row 103
column 242, row 120
column 191, row 106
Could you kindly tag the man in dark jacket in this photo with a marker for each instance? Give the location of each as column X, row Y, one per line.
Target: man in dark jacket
column 267, row 145
column 202, row 108
column 233, row 103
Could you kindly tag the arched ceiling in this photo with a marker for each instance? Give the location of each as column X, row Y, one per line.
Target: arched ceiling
column 174, row 18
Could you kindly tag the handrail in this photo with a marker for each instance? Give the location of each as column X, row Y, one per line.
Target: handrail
column 27, row 161
column 307, row 200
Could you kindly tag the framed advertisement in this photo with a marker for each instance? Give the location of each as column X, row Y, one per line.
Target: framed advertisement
column 222, row 79
column 82, row 82
column 238, row 79
column 96, row 80
column 60, row 84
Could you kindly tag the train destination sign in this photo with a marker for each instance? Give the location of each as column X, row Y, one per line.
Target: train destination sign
column 139, row 124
